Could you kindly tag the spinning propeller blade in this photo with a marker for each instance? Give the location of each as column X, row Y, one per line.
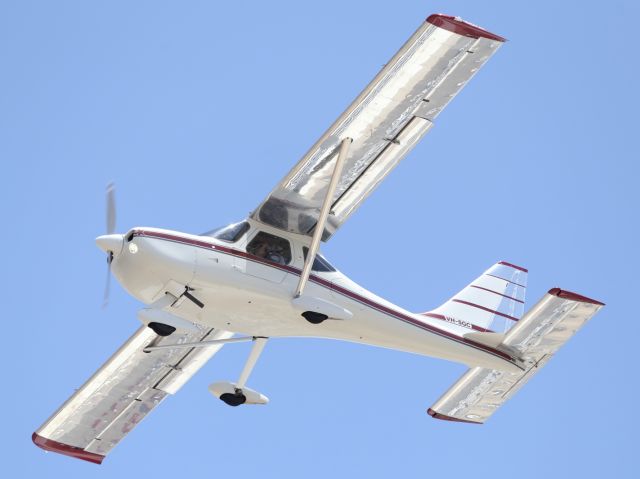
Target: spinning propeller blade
column 107, row 285
column 111, row 208
column 111, row 227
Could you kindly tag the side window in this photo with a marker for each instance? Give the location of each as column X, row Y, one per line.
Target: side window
column 231, row 233
column 270, row 247
column 320, row 264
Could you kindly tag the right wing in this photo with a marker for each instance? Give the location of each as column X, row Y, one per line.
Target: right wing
column 385, row 122
column 534, row 340
column 122, row 392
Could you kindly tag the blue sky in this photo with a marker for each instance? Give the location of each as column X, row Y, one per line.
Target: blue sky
column 196, row 109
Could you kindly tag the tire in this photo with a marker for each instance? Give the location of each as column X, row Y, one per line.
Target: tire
column 162, row 329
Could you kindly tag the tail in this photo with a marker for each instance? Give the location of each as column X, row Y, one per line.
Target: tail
column 494, row 302
column 534, row 340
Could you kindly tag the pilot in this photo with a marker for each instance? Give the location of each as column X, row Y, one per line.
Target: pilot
column 270, row 252
column 259, row 249
column 275, row 254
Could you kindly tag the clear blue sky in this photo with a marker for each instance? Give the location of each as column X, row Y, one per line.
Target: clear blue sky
column 196, row 109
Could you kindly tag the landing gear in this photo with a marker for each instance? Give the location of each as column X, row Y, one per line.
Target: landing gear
column 313, row 317
column 235, row 394
column 161, row 329
column 234, row 399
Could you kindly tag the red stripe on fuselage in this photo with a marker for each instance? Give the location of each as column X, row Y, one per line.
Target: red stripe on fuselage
column 329, row 285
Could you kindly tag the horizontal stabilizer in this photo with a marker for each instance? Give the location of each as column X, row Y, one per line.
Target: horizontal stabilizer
column 534, row 340
column 492, row 340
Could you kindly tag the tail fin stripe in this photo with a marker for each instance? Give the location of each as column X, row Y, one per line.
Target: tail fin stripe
column 508, row 281
column 511, row 265
column 485, row 309
column 495, row 292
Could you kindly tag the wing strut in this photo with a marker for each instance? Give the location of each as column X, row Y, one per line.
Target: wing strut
column 201, row 344
column 324, row 213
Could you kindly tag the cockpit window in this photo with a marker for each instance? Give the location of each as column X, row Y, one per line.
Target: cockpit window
column 320, row 264
column 231, row 233
column 270, row 247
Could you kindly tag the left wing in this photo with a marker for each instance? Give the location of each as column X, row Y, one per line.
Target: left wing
column 385, row 122
column 122, row 392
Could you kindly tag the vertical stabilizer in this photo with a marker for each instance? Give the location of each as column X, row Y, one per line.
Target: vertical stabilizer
column 493, row 302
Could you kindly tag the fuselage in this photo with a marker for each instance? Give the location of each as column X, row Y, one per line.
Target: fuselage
column 247, row 293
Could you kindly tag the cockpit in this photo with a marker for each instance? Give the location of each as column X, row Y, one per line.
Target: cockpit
column 269, row 246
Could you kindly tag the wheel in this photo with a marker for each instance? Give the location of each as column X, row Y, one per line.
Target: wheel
column 235, row 399
column 161, row 329
column 313, row 317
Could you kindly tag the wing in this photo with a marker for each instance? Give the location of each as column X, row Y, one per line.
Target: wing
column 385, row 122
column 534, row 339
column 122, row 392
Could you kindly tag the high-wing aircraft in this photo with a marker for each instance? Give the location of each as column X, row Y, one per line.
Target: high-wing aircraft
column 263, row 277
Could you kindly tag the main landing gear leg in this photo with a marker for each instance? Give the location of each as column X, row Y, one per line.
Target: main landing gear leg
column 237, row 397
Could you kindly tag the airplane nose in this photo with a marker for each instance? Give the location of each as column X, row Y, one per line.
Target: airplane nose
column 111, row 243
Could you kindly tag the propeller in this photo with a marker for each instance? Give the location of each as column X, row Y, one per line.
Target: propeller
column 111, row 227
column 111, row 208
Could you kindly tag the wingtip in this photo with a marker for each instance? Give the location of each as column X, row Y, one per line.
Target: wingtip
column 66, row 449
column 444, row 417
column 562, row 293
column 459, row 26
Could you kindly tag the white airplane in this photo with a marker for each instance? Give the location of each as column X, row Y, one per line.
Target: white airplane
column 263, row 277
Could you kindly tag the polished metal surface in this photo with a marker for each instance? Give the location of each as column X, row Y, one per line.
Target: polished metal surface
column 126, row 388
column 386, row 120
column 534, row 340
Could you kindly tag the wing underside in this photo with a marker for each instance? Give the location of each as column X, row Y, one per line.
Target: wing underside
column 385, row 122
column 122, row 392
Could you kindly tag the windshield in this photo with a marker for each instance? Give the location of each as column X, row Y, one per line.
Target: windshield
column 230, row 233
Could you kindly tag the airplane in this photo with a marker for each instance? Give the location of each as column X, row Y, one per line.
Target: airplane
column 263, row 277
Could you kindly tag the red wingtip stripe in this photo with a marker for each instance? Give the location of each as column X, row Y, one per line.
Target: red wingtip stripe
column 459, row 26
column 561, row 293
column 66, row 449
column 511, row 265
column 437, row 415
